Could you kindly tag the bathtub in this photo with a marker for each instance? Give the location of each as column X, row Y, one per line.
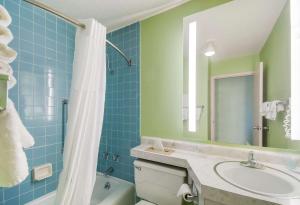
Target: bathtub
column 120, row 193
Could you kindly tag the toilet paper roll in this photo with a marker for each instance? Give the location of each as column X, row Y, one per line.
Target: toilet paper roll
column 185, row 191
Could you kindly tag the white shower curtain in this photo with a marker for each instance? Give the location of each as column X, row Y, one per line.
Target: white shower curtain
column 85, row 119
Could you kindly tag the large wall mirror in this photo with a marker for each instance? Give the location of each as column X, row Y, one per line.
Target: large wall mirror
column 241, row 73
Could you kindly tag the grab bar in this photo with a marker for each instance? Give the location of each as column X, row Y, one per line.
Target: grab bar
column 64, row 120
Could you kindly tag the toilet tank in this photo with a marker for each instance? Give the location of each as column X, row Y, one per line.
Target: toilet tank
column 158, row 183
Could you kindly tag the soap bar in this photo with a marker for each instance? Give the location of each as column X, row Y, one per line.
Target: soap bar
column 42, row 172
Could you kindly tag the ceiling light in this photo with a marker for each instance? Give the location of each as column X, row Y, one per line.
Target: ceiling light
column 209, row 49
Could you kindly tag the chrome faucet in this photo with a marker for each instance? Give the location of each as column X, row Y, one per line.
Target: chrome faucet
column 105, row 155
column 252, row 163
column 116, row 157
column 108, row 172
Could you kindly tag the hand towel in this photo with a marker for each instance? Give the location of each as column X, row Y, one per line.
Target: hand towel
column 7, row 54
column 265, row 108
column 5, row 35
column 13, row 138
column 13, row 167
column 5, row 18
column 270, row 109
column 272, row 114
column 25, row 137
column 7, row 70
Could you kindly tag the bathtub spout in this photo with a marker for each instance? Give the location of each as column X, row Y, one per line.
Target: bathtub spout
column 109, row 171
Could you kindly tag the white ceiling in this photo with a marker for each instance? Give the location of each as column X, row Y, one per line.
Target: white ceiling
column 113, row 13
column 238, row 28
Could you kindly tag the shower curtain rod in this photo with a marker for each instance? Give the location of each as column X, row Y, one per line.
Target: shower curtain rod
column 74, row 22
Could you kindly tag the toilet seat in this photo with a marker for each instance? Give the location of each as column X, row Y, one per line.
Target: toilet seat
column 142, row 202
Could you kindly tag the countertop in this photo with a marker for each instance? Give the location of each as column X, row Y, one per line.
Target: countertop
column 201, row 168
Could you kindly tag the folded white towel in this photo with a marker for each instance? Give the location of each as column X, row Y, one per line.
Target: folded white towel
column 13, row 138
column 7, row 54
column 265, row 108
column 270, row 109
column 272, row 114
column 5, row 18
column 7, row 70
column 5, row 35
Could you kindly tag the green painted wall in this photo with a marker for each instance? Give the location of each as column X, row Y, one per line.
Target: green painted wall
column 234, row 65
column 276, row 56
column 162, row 73
column 161, row 70
column 229, row 66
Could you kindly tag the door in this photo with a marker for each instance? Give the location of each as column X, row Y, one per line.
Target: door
column 258, row 100
column 234, row 109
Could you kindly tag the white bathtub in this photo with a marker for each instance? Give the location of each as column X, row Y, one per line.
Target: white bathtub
column 120, row 193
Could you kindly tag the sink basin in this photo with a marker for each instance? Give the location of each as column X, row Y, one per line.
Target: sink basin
column 267, row 181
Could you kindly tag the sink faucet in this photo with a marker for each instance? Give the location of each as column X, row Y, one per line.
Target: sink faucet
column 105, row 155
column 252, row 163
column 108, row 172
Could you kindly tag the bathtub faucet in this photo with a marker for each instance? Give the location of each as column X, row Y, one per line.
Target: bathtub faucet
column 109, row 171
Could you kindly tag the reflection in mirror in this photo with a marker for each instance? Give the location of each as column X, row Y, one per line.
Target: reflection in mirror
column 295, row 65
column 237, row 73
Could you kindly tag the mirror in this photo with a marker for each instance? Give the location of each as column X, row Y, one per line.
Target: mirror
column 237, row 73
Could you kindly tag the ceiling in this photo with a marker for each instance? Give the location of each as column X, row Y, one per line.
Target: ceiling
column 113, row 13
column 237, row 28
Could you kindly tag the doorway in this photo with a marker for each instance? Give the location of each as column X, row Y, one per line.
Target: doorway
column 232, row 108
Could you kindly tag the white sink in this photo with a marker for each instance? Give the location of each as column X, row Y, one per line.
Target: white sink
column 267, row 181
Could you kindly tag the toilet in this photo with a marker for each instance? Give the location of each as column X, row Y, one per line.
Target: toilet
column 158, row 184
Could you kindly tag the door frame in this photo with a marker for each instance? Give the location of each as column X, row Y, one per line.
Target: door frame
column 213, row 80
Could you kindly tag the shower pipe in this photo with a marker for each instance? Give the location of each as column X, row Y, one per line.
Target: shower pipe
column 74, row 22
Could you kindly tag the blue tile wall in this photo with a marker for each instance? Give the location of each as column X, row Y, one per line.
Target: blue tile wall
column 43, row 68
column 121, row 127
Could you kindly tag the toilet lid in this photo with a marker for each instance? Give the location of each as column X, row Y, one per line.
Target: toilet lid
column 142, row 202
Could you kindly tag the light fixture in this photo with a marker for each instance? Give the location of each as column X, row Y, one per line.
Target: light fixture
column 209, row 49
column 192, row 75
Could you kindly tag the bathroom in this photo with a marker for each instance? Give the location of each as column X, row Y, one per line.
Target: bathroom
column 167, row 102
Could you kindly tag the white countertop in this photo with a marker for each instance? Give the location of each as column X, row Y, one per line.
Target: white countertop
column 201, row 169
